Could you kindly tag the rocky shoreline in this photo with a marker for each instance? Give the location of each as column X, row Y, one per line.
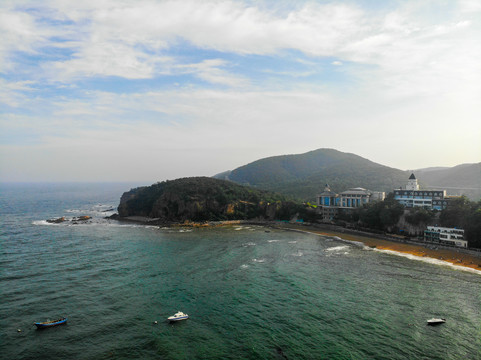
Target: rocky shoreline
column 75, row 220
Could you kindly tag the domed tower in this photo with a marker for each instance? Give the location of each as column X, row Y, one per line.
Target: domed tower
column 327, row 197
column 412, row 183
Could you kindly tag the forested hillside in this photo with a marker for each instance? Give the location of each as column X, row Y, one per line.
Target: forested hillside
column 205, row 199
column 304, row 175
column 463, row 179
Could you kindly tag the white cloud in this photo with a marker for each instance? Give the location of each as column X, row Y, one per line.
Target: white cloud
column 404, row 69
column 132, row 39
column 19, row 34
column 12, row 93
column 105, row 59
column 211, row 71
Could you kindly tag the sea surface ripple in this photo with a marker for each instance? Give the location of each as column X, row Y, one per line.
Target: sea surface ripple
column 250, row 293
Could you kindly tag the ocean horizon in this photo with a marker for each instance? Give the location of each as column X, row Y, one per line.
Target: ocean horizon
column 250, row 292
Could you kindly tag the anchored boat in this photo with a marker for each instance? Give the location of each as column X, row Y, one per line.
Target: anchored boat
column 178, row 316
column 435, row 321
column 48, row 323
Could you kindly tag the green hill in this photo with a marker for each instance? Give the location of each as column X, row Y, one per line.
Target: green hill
column 304, row 175
column 204, row 199
column 464, row 179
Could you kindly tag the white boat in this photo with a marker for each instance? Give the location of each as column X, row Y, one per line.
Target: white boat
column 436, row 321
column 178, row 316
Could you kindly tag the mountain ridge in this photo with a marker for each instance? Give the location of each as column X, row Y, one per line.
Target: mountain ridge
column 304, row 175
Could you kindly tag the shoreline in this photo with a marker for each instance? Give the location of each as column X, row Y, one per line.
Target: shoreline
column 463, row 259
column 453, row 257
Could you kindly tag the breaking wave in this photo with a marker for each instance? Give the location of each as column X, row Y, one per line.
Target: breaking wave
column 429, row 260
column 338, row 248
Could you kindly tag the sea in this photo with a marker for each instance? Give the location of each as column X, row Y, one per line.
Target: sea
column 251, row 292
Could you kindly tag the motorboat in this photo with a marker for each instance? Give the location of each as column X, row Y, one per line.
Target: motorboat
column 436, row 321
column 50, row 323
column 178, row 316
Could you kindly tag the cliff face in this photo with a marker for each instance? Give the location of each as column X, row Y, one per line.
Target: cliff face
column 203, row 199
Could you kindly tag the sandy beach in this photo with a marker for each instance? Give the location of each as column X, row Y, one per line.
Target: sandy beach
column 450, row 256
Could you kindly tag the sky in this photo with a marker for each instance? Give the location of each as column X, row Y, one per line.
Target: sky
column 150, row 90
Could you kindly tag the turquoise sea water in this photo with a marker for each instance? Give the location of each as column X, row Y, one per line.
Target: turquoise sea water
column 251, row 292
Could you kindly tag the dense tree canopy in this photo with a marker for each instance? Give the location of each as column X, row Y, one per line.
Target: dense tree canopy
column 464, row 214
column 205, row 199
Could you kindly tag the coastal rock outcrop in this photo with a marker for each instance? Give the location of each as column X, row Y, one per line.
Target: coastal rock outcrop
column 56, row 221
column 204, row 199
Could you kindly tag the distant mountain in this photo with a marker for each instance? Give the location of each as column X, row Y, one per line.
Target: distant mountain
column 303, row 176
column 461, row 179
column 436, row 168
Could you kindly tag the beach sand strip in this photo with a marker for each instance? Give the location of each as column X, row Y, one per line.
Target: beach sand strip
column 453, row 256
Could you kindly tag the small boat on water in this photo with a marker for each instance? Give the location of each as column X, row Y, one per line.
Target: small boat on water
column 50, row 323
column 178, row 316
column 436, row 321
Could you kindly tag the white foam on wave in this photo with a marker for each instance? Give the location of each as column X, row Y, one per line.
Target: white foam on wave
column 299, row 254
column 357, row 243
column 429, row 260
column 271, row 241
column 258, row 260
column 292, row 242
column 100, row 209
column 244, row 266
column 130, row 226
column 338, row 248
column 92, row 222
column 249, row 244
column 73, row 211
column 43, row 223
column 409, row 256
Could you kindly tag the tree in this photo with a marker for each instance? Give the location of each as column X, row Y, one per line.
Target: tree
column 464, row 214
column 419, row 215
column 455, row 214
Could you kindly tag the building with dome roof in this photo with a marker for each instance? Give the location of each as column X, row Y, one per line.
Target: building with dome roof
column 329, row 202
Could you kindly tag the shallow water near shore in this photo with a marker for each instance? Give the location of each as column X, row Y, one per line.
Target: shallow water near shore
column 249, row 293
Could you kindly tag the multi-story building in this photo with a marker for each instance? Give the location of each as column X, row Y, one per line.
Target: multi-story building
column 412, row 196
column 329, row 202
column 447, row 236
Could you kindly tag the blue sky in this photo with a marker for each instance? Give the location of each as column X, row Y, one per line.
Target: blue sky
column 153, row 90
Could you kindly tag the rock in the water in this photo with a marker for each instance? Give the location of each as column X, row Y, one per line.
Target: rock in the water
column 56, row 221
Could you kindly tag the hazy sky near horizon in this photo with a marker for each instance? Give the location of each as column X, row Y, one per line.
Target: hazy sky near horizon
column 152, row 90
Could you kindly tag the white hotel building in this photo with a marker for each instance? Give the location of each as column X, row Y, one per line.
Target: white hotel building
column 329, row 202
column 412, row 196
column 447, row 236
